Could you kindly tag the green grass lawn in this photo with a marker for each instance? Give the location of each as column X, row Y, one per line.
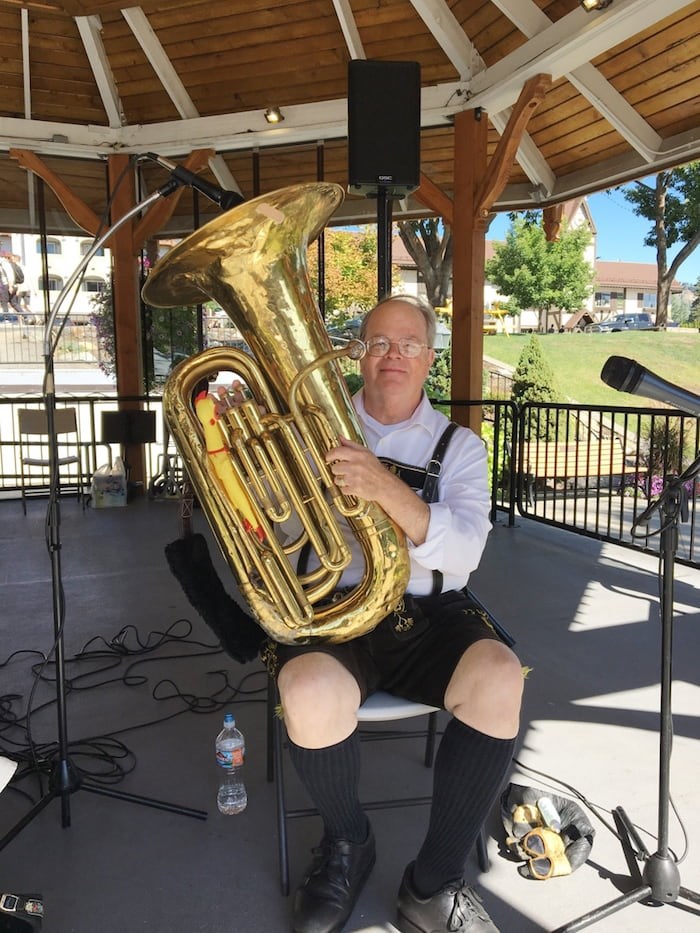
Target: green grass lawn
column 577, row 360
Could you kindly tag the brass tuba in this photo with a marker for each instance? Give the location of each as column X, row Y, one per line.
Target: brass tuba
column 260, row 466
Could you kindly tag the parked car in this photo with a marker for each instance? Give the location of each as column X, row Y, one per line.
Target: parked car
column 635, row 320
column 163, row 363
column 347, row 331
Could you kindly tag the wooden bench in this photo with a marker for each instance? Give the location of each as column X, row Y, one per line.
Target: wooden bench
column 571, row 461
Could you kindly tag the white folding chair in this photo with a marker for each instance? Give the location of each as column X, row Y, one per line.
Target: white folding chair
column 379, row 707
column 34, row 451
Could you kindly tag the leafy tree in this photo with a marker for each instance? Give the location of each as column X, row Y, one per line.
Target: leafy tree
column 439, row 382
column 172, row 331
column 536, row 273
column 533, row 381
column 672, row 204
column 679, row 309
column 694, row 315
column 350, row 272
column 429, row 244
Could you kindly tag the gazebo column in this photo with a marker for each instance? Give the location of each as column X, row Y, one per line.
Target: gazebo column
column 125, row 245
column 469, row 245
column 478, row 183
column 126, row 303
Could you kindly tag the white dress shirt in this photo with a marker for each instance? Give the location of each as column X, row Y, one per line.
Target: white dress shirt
column 459, row 521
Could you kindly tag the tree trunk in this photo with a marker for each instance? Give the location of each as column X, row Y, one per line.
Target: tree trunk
column 432, row 255
column 663, row 285
column 663, row 294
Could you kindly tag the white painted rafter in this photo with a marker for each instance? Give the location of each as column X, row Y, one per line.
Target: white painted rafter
column 172, row 85
column 565, row 46
column 346, row 19
column 90, row 29
column 227, row 132
column 530, row 20
column 442, row 23
column 27, row 93
column 159, row 61
column 450, row 36
column 26, row 72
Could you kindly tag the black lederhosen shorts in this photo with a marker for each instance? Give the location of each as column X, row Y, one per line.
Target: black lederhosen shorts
column 412, row 653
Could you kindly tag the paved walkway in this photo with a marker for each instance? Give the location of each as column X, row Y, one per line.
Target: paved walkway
column 25, row 380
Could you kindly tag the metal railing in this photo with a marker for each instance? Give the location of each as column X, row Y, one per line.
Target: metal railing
column 589, row 469
column 594, row 470
column 94, row 452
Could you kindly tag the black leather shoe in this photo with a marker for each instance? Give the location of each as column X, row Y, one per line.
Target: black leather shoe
column 327, row 895
column 455, row 908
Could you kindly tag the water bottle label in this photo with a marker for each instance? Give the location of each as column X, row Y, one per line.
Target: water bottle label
column 229, row 757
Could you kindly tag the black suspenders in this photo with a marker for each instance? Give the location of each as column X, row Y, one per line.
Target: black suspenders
column 434, row 467
column 426, row 480
column 430, row 488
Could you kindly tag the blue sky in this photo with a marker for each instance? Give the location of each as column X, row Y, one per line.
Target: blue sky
column 620, row 234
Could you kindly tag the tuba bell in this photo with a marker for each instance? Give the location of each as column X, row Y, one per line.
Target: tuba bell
column 258, row 469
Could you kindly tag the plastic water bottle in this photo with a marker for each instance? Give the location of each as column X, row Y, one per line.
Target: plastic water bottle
column 549, row 813
column 230, row 753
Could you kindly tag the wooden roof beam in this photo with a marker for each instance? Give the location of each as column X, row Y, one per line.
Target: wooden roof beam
column 434, row 198
column 348, row 26
column 531, row 20
column 90, row 29
column 551, row 221
column 76, row 208
column 531, row 97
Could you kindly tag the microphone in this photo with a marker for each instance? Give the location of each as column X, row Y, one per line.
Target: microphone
column 629, row 376
column 225, row 199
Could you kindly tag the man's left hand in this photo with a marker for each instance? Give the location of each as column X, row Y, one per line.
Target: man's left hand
column 356, row 470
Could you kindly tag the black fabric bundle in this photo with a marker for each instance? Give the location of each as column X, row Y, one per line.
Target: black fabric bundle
column 520, row 814
column 190, row 562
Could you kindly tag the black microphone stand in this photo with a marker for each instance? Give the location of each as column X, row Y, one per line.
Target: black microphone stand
column 384, row 225
column 659, row 881
column 65, row 779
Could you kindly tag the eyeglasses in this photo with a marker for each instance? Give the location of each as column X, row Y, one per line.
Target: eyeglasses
column 380, row 346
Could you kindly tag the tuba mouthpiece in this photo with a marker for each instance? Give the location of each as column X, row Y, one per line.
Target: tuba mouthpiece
column 356, row 349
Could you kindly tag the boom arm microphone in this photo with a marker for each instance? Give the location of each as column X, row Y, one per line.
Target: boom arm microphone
column 225, row 199
column 629, row 376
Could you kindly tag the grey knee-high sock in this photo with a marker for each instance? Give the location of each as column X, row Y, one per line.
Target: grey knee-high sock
column 331, row 777
column 469, row 770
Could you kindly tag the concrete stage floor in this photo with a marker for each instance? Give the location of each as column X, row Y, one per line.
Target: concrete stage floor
column 147, row 688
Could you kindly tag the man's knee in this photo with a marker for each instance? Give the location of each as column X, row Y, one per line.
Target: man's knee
column 486, row 689
column 318, row 696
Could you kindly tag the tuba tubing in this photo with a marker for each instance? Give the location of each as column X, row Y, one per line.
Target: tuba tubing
column 259, row 469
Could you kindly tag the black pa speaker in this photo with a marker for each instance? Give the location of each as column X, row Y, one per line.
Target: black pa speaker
column 383, row 127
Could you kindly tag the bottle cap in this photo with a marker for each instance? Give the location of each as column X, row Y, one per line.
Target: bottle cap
column 228, row 719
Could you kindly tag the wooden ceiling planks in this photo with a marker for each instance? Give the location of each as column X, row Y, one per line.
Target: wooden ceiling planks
column 234, row 59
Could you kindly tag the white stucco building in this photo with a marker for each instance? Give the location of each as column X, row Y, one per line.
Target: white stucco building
column 64, row 253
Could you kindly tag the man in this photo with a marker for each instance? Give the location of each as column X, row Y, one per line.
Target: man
column 7, row 284
column 449, row 657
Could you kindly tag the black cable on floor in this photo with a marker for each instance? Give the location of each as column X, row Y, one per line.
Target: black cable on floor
column 105, row 759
